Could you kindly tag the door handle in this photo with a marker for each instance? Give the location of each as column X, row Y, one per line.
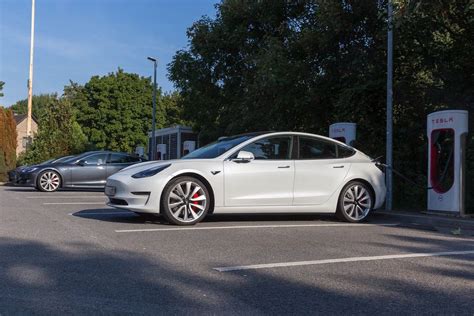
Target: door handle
column 283, row 167
column 338, row 167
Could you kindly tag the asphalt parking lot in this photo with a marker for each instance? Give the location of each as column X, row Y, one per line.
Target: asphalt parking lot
column 66, row 252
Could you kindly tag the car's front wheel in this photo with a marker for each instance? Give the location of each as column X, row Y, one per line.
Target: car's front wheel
column 355, row 202
column 48, row 181
column 185, row 201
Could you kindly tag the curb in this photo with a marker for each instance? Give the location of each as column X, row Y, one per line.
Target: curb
column 440, row 223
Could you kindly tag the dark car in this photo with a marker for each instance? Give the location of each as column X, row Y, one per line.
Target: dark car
column 88, row 170
column 14, row 175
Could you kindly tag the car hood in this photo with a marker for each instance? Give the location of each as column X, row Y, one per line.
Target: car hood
column 151, row 164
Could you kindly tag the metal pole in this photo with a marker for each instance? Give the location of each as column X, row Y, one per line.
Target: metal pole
column 30, row 80
column 389, row 179
column 153, row 124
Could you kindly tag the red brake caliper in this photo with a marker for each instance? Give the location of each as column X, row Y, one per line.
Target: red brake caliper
column 195, row 196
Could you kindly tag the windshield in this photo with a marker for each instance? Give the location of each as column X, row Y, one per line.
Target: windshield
column 62, row 159
column 219, row 147
column 46, row 162
column 74, row 158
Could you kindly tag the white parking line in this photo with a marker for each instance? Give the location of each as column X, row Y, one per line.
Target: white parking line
column 101, row 213
column 74, row 203
column 342, row 260
column 68, row 197
column 250, row 226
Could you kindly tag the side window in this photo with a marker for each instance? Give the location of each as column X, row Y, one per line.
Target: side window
column 273, row 148
column 344, row 152
column 97, row 159
column 313, row 148
column 131, row 159
column 118, row 158
column 121, row 158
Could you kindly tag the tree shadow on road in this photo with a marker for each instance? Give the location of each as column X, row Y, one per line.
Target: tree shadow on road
column 80, row 278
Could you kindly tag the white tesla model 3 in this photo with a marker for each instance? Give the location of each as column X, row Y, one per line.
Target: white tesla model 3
column 276, row 172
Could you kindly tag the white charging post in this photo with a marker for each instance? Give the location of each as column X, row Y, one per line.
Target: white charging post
column 343, row 132
column 447, row 133
column 161, row 151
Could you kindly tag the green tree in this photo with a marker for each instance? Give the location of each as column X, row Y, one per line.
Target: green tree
column 287, row 65
column 115, row 110
column 39, row 104
column 8, row 138
column 173, row 110
column 1, row 88
column 58, row 134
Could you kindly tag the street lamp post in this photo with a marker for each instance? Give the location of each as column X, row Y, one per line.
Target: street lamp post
column 30, row 80
column 153, row 124
column 389, row 179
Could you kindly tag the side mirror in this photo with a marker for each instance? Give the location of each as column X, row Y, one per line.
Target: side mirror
column 244, row 156
column 81, row 163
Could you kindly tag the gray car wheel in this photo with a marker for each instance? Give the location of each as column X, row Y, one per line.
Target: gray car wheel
column 185, row 201
column 48, row 181
column 355, row 202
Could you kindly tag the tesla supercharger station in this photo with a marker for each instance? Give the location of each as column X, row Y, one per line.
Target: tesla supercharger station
column 140, row 151
column 343, row 132
column 188, row 146
column 161, row 151
column 447, row 133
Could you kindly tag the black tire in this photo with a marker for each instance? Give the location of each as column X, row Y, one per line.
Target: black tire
column 186, row 212
column 359, row 209
column 54, row 185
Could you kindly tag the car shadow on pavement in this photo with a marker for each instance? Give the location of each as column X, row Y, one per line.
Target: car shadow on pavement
column 31, row 189
column 128, row 217
column 123, row 216
column 86, row 278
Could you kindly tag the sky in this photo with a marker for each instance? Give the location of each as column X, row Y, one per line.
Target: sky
column 77, row 39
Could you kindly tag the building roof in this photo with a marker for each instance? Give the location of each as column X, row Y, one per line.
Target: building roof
column 21, row 117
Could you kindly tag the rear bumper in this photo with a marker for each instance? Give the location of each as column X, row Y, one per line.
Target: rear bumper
column 380, row 191
column 137, row 195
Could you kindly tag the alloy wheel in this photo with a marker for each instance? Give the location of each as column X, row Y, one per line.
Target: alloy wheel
column 187, row 201
column 49, row 181
column 357, row 202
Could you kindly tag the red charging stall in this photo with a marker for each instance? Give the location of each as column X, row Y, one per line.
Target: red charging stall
column 343, row 132
column 447, row 133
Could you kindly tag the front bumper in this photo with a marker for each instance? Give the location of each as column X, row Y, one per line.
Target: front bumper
column 13, row 176
column 26, row 179
column 137, row 195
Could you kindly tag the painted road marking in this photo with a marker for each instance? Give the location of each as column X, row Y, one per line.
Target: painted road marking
column 74, row 203
column 68, row 197
column 250, row 226
column 102, row 213
column 342, row 260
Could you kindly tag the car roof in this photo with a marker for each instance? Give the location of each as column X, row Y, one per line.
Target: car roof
column 303, row 134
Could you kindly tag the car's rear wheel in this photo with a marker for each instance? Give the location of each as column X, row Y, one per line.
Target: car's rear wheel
column 48, row 181
column 355, row 202
column 185, row 201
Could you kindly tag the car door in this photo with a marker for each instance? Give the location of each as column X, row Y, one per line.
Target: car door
column 90, row 171
column 118, row 161
column 318, row 171
column 265, row 180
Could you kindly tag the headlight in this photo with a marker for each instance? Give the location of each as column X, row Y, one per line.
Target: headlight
column 150, row 172
column 30, row 169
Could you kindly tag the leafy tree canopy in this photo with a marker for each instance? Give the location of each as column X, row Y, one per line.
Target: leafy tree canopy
column 115, row 110
column 39, row 105
column 58, row 134
column 8, row 137
column 302, row 65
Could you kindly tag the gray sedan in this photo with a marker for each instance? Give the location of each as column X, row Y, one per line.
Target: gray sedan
column 88, row 170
